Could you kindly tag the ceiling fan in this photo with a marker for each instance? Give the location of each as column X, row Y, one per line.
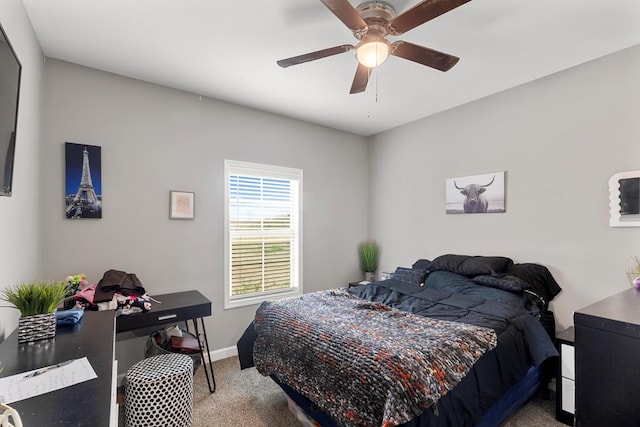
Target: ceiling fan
column 371, row 23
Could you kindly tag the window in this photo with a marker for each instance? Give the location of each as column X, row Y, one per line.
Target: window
column 263, row 232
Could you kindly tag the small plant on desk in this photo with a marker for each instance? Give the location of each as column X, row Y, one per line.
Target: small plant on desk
column 37, row 302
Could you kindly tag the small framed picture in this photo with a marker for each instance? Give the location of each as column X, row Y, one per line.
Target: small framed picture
column 181, row 204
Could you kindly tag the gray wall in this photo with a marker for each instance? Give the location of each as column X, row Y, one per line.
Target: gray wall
column 156, row 139
column 21, row 235
column 559, row 139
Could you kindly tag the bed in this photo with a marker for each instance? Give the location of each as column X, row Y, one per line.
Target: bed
column 457, row 341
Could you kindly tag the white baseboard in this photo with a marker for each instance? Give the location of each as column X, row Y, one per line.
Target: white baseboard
column 223, row 353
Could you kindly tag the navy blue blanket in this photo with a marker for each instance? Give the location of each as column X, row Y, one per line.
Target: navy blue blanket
column 449, row 296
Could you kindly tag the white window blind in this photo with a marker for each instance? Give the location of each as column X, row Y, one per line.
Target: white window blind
column 262, row 232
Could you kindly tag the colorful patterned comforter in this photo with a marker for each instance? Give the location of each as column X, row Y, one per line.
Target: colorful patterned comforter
column 363, row 362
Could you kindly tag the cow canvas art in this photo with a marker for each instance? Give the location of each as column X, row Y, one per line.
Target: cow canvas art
column 476, row 194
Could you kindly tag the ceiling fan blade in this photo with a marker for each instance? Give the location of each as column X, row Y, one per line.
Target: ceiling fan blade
column 421, row 13
column 347, row 14
column 312, row 56
column 424, row 55
column 361, row 79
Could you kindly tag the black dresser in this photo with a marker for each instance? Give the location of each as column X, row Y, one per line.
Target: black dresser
column 607, row 358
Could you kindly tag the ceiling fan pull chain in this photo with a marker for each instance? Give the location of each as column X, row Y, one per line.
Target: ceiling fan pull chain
column 377, row 86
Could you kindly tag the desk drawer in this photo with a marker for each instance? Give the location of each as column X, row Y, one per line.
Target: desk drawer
column 180, row 307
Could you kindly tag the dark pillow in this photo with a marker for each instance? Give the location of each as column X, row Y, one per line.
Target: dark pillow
column 421, row 264
column 471, row 266
column 410, row 275
column 540, row 279
column 505, row 282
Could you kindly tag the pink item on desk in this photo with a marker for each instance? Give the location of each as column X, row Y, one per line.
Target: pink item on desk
column 87, row 293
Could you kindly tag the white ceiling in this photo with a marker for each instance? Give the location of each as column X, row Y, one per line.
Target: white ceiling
column 228, row 50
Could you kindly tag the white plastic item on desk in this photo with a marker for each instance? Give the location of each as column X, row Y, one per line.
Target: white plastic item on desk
column 9, row 415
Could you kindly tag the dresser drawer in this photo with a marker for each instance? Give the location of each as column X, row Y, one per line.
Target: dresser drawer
column 568, row 395
column 567, row 361
column 565, row 377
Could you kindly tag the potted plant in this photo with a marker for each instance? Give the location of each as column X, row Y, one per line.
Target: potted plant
column 37, row 302
column 368, row 252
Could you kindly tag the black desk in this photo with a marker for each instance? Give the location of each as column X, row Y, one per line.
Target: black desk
column 83, row 404
column 175, row 307
column 89, row 402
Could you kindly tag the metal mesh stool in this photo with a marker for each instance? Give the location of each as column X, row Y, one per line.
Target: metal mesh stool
column 159, row 392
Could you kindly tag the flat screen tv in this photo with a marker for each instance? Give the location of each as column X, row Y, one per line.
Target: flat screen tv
column 10, row 70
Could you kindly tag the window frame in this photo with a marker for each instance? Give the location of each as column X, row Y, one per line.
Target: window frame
column 234, row 167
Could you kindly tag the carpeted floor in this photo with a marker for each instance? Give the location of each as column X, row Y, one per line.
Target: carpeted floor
column 242, row 398
column 246, row 398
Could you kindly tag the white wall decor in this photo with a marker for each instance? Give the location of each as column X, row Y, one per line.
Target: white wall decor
column 624, row 199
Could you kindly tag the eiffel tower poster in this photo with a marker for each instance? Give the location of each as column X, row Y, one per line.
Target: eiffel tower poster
column 83, row 187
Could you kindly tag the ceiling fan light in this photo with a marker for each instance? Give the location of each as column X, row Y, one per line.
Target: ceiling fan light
column 373, row 53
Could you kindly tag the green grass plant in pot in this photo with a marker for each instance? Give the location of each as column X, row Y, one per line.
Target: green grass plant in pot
column 37, row 302
column 368, row 252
